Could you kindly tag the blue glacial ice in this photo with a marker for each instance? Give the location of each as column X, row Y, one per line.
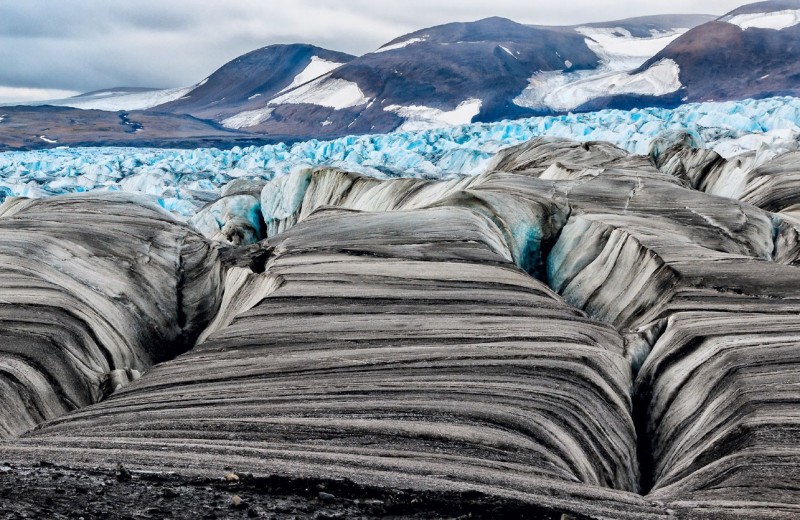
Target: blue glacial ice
column 185, row 180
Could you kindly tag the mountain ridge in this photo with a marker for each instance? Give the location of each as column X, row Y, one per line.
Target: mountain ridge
column 462, row 72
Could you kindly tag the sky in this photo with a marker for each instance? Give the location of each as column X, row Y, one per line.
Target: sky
column 55, row 48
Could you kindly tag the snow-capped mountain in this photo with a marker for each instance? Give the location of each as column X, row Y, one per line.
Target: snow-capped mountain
column 247, row 83
column 487, row 70
column 453, row 74
column 752, row 52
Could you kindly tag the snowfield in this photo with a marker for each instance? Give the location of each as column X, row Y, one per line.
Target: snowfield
column 318, row 67
column 618, row 49
column 424, row 118
column 185, row 180
column 619, row 53
column 777, row 20
column 562, row 92
column 325, row 91
column 248, row 118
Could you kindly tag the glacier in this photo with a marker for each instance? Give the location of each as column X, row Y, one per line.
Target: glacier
column 620, row 53
column 567, row 91
column 183, row 181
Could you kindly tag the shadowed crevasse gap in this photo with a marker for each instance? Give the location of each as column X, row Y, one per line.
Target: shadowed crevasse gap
column 89, row 306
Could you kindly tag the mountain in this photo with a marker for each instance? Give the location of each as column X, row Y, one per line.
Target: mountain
column 248, row 81
column 752, row 52
column 622, row 47
column 457, row 73
column 483, row 71
column 236, row 86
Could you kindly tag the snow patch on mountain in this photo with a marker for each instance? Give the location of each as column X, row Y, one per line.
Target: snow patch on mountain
column 402, row 44
column 619, row 52
column 508, row 51
column 423, row 118
column 776, row 20
column 183, row 181
column 318, row 67
column 327, row 92
column 248, row 118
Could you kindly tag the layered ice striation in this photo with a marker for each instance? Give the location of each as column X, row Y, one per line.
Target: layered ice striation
column 183, row 181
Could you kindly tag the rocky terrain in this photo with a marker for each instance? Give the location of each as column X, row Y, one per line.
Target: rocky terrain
column 576, row 332
column 55, row 492
column 31, row 128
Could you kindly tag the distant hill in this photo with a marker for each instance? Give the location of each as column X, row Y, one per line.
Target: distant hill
column 249, row 81
column 752, row 52
column 457, row 73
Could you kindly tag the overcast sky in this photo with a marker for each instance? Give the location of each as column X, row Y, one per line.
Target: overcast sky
column 54, row 48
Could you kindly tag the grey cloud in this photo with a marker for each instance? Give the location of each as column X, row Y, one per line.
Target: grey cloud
column 86, row 45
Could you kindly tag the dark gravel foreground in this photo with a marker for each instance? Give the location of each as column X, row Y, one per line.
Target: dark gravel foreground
column 54, row 492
